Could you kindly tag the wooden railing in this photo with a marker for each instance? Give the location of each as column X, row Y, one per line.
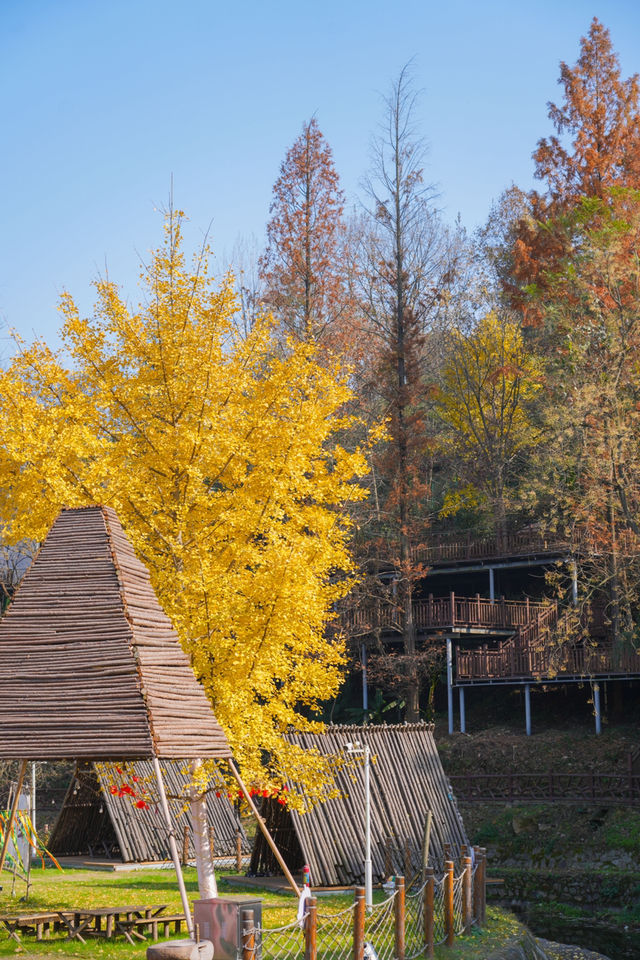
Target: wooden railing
column 514, row 659
column 445, row 547
column 443, row 612
column 551, row 787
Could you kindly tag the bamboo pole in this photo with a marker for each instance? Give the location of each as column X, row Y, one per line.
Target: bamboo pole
column 263, row 827
column 238, row 851
column 173, row 846
column 12, row 815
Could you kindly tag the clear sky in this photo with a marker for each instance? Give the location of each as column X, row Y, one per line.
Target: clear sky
column 104, row 101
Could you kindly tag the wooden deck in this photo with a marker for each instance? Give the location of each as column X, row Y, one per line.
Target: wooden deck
column 446, row 614
column 445, row 548
column 524, row 641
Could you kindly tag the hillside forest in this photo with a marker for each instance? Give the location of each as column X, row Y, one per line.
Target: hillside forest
column 282, row 443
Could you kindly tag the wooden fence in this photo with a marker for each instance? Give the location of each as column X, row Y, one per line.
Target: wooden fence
column 618, row 789
column 408, row 924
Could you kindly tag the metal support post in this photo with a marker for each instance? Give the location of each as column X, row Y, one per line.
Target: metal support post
column 574, row 583
column 450, row 683
column 368, row 875
column 596, row 707
column 527, row 707
column 492, row 586
column 463, row 722
column 365, row 691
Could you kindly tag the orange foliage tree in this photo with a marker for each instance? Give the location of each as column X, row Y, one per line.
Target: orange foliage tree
column 302, row 268
column 596, row 146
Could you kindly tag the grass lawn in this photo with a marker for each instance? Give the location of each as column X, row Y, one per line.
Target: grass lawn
column 85, row 888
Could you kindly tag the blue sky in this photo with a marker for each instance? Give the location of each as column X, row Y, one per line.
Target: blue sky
column 104, row 101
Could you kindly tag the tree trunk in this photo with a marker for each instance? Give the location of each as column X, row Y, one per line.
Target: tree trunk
column 207, row 886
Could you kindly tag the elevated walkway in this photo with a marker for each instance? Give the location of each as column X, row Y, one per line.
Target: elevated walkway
column 523, row 641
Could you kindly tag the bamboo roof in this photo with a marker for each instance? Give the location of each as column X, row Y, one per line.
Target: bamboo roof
column 90, row 665
column 407, row 780
column 94, row 822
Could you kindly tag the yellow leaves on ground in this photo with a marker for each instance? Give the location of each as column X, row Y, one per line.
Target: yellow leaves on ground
column 219, row 455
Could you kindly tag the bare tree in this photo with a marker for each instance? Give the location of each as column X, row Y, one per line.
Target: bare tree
column 404, row 279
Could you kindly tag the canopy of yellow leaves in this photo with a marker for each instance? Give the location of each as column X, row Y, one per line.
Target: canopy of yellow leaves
column 489, row 382
column 220, row 456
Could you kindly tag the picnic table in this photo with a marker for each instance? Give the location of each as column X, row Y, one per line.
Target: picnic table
column 109, row 921
column 93, row 922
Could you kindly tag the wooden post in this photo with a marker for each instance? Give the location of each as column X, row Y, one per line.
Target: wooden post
column 426, row 841
column 467, row 905
column 449, row 918
column 358, row 924
column 310, row 930
column 185, row 845
column 483, row 885
column 428, row 911
column 238, row 850
column 407, row 860
column 263, row 827
column 248, row 936
column 476, row 886
column 387, row 857
column 399, row 918
column 12, row 815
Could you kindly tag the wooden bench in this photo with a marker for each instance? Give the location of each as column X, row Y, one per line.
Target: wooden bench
column 154, row 923
column 30, row 923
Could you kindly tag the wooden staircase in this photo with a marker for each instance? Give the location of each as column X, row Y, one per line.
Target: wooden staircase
column 554, row 644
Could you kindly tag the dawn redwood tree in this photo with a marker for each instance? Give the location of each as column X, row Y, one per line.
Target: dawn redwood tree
column 221, row 456
column 404, row 273
column 596, row 147
column 302, row 268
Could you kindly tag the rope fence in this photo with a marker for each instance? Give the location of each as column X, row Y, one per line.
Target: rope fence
column 406, row 925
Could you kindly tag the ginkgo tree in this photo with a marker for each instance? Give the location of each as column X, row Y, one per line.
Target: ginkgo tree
column 220, row 455
column 490, row 381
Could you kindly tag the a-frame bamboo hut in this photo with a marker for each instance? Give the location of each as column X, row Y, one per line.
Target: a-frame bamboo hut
column 93, row 822
column 91, row 667
column 407, row 781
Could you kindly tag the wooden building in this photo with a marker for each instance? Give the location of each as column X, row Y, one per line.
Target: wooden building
column 407, row 781
column 486, row 600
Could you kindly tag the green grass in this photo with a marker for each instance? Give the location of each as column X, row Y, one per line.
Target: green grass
column 84, row 888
